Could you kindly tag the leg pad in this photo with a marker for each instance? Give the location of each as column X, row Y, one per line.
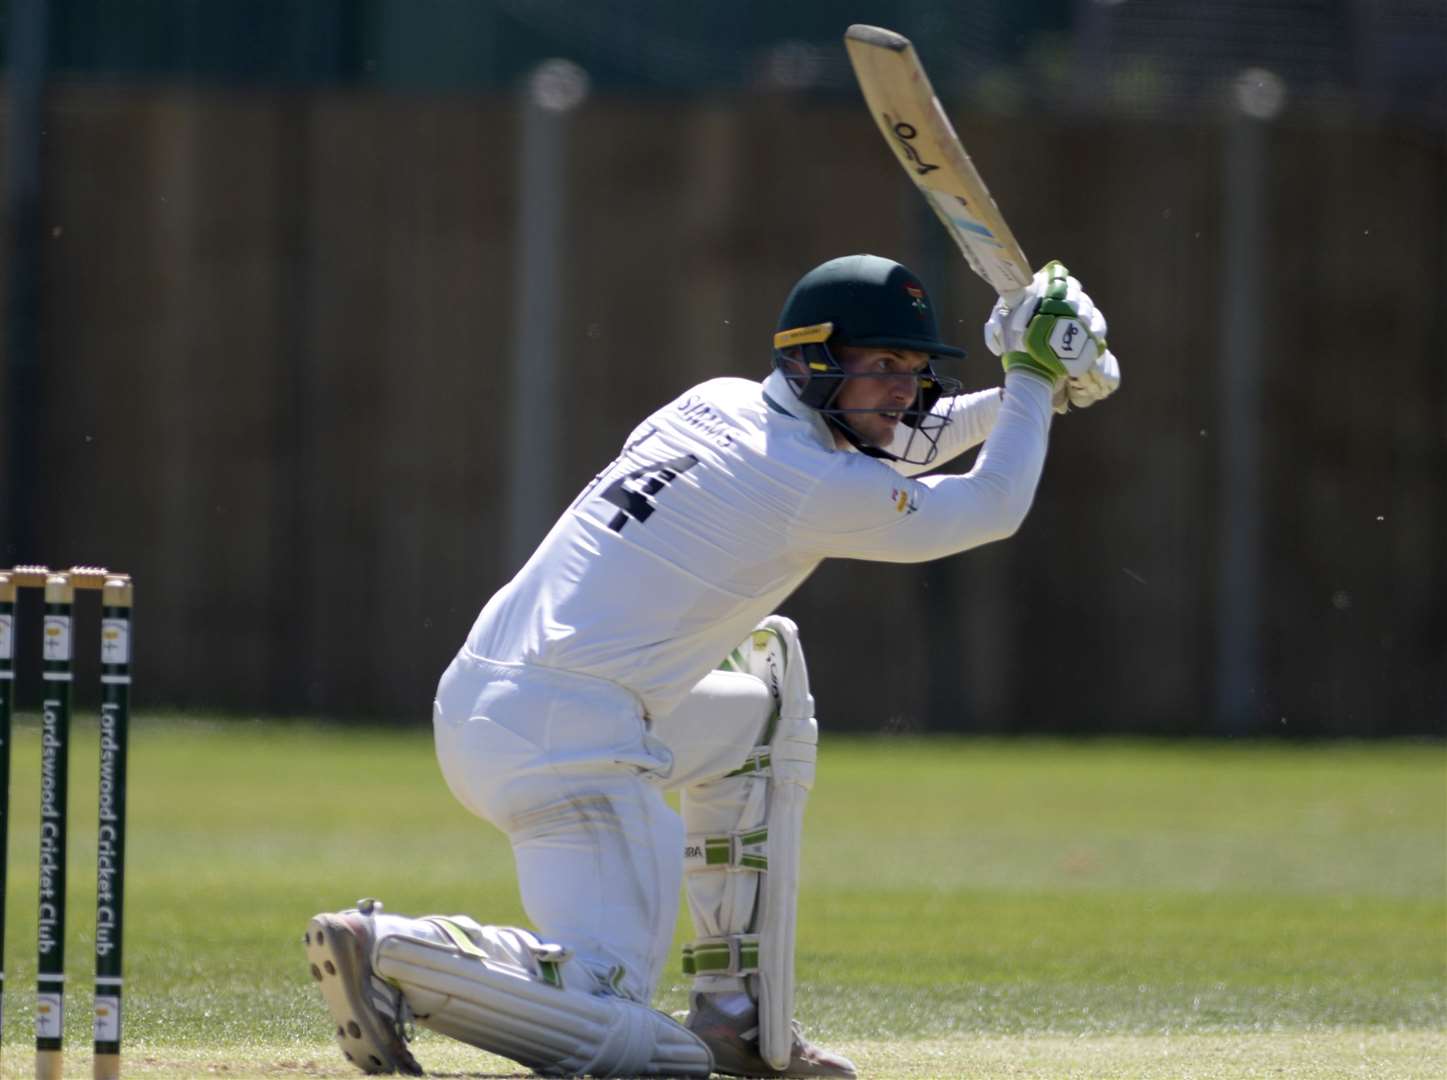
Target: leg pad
column 505, row 1009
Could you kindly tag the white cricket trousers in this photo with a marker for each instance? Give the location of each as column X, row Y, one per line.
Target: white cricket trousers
column 566, row 766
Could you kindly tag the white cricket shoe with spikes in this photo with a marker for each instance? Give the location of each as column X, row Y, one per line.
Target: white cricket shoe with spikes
column 370, row 1014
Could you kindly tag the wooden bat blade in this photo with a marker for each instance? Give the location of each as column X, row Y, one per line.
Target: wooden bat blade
column 916, row 128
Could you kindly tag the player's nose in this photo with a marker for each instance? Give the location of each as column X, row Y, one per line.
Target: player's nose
column 902, row 388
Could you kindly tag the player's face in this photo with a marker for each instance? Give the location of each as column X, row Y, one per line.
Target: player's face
column 889, row 388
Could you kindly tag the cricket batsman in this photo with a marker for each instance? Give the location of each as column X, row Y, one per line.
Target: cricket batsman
column 636, row 653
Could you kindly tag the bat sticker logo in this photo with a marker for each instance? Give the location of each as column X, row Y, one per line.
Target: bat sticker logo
column 904, row 132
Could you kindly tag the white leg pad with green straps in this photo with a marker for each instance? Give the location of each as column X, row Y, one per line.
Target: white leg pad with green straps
column 502, row 990
column 742, row 856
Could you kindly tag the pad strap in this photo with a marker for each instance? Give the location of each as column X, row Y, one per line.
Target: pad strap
column 756, row 762
column 737, row 954
column 738, row 851
column 548, row 958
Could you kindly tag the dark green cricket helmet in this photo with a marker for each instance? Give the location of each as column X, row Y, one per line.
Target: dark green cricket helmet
column 869, row 301
column 863, row 300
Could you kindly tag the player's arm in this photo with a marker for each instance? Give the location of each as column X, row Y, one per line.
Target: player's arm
column 870, row 514
column 864, row 510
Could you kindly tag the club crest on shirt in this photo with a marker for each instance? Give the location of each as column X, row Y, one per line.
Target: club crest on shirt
column 906, row 500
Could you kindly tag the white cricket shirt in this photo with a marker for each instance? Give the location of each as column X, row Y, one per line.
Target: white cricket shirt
column 720, row 504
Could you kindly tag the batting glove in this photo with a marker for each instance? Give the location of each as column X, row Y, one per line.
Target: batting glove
column 1054, row 330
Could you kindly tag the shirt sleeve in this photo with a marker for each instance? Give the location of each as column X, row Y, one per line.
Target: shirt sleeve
column 971, row 418
column 863, row 509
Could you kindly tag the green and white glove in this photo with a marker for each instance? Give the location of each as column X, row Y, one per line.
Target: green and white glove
column 1054, row 330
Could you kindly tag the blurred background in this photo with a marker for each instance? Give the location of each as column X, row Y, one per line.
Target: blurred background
column 318, row 313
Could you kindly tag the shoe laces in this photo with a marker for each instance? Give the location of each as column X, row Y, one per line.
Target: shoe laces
column 392, row 1006
column 405, row 1025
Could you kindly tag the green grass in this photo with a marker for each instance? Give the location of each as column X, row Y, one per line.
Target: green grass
column 971, row 908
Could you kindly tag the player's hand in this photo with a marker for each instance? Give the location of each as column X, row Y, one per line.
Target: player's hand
column 1054, row 330
column 1099, row 381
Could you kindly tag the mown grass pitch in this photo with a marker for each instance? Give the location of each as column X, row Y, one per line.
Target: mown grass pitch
column 971, row 908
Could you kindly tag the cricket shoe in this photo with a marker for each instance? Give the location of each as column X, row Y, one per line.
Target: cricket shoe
column 369, row 1012
column 734, row 1041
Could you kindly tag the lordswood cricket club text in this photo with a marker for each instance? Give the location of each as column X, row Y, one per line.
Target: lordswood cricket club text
column 56, row 653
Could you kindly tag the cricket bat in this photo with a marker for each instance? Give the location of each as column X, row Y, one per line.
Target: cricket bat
column 909, row 115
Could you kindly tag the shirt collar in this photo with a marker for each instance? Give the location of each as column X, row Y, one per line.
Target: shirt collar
column 780, row 397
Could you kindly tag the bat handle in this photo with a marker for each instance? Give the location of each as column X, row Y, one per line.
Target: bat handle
column 1013, row 298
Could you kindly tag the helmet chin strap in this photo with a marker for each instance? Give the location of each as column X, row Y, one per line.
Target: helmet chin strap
column 856, row 440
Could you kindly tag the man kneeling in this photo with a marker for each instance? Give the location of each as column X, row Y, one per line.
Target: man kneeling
column 586, row 687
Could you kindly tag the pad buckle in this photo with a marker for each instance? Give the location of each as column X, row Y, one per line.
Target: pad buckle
column 549, row 959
